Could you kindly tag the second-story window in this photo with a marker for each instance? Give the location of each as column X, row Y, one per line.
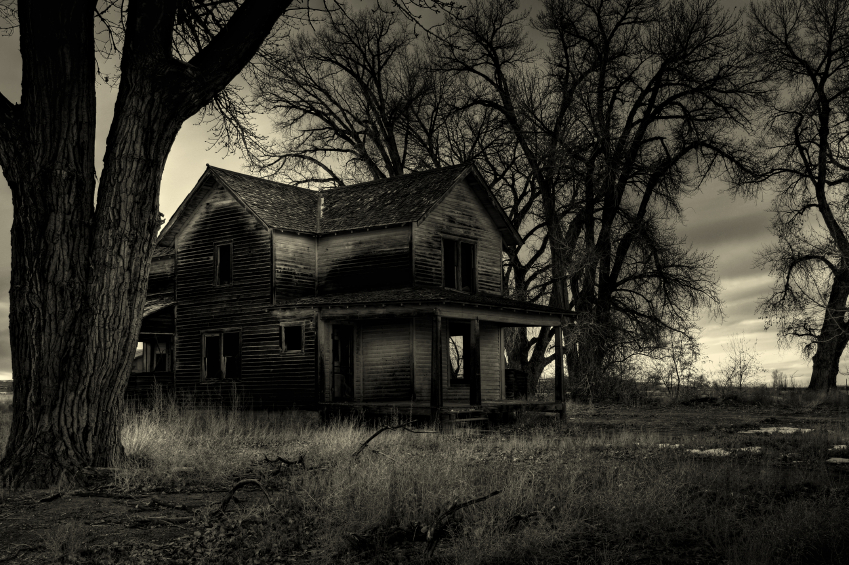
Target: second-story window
column 458, row 265
column 224, row 264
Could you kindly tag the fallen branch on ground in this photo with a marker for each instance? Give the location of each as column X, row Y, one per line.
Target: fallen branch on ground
column 239, row 485
column 403, row 425
column 52, row 497
column 437, row 530
column 160, row 520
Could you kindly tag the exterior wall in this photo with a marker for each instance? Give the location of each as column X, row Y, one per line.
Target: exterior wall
column 491, row 366
column 364, row 260
column 460, row 215
column 269, row 377
column 294, row 266
column 386, row 355
column 161, row 277
column 221, row 219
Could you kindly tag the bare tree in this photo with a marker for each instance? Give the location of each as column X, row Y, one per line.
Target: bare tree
column 803, row 47
column 632, row 107
column 82, row 242
column 742, row 363
column 354, row 100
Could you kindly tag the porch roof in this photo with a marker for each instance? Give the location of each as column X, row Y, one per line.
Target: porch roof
column 155, row 304
column 415, row 296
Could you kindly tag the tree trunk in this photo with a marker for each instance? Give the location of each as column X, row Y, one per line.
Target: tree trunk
column 833, row 335
column 79, row 271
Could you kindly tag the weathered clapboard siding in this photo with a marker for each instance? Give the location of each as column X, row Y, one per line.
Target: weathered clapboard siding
column 490, row 362
column 364, row 260
column 269, row 377
column 161, row 277
column 490, row 367
column 294, row 266
column 460, row 215
column 491, row 372
column 423, row 337
column 221, row 219
column 386, row 360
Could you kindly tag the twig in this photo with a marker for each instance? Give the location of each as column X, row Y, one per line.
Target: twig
column 402, row 425
column 239, row 485
column 436, row 530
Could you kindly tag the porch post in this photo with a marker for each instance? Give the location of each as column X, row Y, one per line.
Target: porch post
column 475, row 358
column 559, row 395
column 436, row 368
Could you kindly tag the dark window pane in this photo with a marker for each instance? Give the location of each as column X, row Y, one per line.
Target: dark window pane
column 449, row 263
column 467, row 267
column 232, row 364
column 224, row 264
column 160, row 362
column 294, row 337
column 212, row 357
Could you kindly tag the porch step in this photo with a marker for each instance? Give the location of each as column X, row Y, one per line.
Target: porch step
column 466, row 418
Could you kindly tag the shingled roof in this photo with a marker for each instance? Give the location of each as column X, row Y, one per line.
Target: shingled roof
column 423, row 295
column 280, row 206
column 385, row 202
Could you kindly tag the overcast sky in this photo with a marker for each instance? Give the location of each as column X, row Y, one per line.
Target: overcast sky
column 732, row 229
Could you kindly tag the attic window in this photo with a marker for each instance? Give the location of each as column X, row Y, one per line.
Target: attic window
column 458, row 265
column 224, row 264
column 292, row 337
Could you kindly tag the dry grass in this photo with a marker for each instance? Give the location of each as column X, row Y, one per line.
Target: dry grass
column 599, row 497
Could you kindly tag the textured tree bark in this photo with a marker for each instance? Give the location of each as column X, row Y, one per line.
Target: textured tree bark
column 79, row 271
column 833, row 335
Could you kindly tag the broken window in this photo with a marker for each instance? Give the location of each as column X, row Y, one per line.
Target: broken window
column 458, row 345
column 224, row 264
column 292, row 337
column 222, row 355
column 458, row 265
column 153, row 354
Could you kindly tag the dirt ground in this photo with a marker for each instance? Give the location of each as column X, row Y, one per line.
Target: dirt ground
column 100, row 525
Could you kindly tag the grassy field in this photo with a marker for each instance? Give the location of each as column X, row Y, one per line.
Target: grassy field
column 567, row 491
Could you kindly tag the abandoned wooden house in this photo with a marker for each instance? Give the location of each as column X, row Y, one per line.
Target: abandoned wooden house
column 381, row 294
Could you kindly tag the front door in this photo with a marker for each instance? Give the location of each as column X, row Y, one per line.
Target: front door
column 343, row 363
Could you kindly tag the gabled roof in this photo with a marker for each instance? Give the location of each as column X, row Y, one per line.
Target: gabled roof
column 392, row 201
column 384, row 202
column 280, row 206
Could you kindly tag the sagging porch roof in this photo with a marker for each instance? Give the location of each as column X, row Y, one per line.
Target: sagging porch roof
column 155, row 304
column 433, row 297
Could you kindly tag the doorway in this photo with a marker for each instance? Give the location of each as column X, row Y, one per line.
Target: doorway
column 343, row 363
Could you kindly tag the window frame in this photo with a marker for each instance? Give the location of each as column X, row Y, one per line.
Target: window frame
column 216, row 261
column 466, row 334
column 282, row 338
column 204, row 372
column 458, row 244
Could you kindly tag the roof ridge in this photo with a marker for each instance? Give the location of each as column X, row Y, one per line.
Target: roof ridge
column 460, row 166
column 252, row 177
